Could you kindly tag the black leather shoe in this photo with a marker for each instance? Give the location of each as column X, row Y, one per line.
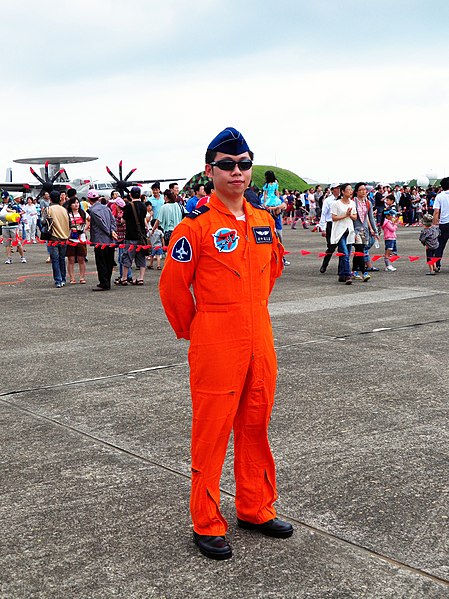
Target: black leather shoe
column 213, row 547
column 322, row 270
column 273, row 528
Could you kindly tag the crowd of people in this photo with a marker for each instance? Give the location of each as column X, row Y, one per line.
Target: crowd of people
column 351, row 218
column 135, row 226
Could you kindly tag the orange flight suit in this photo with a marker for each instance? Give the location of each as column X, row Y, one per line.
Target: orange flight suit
column 232, row 266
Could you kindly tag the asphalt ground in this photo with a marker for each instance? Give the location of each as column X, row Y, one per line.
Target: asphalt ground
column 95, row 425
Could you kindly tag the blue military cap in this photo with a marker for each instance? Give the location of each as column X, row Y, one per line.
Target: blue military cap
column 229, row 141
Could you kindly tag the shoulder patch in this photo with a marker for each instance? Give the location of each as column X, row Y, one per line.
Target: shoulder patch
column 195, row 213
column 182, row 250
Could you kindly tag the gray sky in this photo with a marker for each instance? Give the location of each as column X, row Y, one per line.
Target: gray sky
column 343, row 90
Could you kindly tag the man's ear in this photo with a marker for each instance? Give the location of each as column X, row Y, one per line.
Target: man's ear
column 208, row 170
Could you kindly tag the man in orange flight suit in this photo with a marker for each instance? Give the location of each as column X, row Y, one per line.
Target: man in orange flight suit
column 229, row 253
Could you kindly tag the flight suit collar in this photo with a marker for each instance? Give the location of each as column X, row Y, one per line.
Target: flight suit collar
column 218, row 205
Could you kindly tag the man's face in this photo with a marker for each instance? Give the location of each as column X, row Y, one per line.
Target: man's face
column 175, row 189
column 46, row 196
column 336, row 191
column 230, row 183
column 201, row 193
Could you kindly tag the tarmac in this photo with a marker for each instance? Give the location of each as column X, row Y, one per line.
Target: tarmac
column 95, row 432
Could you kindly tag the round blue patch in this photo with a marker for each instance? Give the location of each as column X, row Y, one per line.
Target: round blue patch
column 226, row 240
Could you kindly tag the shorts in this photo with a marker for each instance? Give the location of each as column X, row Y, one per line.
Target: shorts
column 78, row 250
column 130, row 255
column 9, row 234
column 390, row 244
column 157, row 251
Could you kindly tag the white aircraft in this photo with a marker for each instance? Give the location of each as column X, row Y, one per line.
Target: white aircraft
column 52, row 176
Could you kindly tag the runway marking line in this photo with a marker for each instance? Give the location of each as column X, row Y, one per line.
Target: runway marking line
column 23, row 278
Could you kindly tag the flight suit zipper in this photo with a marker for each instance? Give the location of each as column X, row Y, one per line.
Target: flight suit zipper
column 248, row 250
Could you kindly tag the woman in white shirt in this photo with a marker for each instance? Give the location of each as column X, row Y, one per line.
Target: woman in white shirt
column 30, row 210
column 344, row 214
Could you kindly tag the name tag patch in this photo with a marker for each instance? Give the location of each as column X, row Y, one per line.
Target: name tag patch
column 263, row 234
column 182, row 250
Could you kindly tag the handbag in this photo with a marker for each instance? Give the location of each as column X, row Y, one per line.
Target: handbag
column 361, row 233
column 141, row 238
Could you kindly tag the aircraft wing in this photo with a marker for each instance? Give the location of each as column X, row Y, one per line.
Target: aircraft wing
column 29, row 187
column 18, row 186
column 155, row 181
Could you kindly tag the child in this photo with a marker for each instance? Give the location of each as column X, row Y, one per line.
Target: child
column 157, row 241
column 389, row 227
column 429, row 238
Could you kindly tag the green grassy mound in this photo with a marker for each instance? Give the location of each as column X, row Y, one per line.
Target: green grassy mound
column 286, row 179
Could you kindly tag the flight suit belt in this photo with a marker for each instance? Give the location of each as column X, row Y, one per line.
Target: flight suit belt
column 229, row 307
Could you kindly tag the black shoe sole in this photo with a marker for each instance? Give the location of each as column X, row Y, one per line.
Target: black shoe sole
column 217, row 556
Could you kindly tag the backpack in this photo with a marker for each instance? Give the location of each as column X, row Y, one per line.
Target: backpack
column 46, row 225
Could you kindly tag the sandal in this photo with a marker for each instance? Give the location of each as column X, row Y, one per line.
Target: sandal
column 150, row 268
column 82, row 281
column 138, row 282
column 159, row 267
column 72, row 282
column 121, row 282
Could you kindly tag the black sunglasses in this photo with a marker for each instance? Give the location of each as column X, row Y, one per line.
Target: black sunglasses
column 229, row 165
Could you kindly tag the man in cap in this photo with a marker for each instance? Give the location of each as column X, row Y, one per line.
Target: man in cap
column 60, row 231
column 229, row 253
column 441, row 218
column 102, row 231
column 10, row 226
column 325, row 224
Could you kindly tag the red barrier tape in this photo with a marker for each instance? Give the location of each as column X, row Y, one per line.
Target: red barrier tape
column 139, row 248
